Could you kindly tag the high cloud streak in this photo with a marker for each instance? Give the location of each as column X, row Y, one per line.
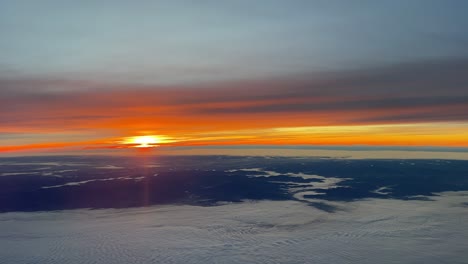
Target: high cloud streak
column 430, row 92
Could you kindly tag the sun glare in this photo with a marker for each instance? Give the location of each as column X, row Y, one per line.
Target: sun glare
column 146, row 141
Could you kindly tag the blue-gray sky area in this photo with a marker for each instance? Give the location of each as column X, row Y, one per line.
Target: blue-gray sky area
column 185, row 41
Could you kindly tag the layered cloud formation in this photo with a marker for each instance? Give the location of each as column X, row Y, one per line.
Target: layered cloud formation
column 365, row 100
column 216, row 75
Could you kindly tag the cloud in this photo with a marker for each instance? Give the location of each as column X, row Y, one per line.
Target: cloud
column 423, row 91
column 369, row 231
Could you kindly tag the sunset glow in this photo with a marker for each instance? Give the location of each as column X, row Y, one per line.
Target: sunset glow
column 232, row 78
column 149, row 141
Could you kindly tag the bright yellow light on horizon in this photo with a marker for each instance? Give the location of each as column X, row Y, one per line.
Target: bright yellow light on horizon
column 150, row 141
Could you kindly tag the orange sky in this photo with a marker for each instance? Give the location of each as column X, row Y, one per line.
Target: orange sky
column 442, row 134
column 284, row 111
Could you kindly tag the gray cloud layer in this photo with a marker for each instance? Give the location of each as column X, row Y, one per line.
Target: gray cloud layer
column 415, row 92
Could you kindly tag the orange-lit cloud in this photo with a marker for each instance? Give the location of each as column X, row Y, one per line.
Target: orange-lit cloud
column 403, row 105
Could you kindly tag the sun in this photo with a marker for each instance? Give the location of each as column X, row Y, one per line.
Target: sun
column 146, row 141
column 149, row 141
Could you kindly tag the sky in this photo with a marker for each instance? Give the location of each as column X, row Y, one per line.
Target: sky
column 87, row 75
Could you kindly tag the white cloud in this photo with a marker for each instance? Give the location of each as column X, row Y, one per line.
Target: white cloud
column 369, row 231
